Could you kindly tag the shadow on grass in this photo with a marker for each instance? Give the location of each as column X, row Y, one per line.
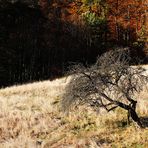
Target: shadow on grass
column 144, row 121
column 123, row 124
column 100, row 142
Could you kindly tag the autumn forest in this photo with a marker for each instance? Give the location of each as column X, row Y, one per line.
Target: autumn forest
column 39, row 39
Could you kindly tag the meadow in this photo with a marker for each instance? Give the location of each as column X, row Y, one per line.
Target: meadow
column 30, row 117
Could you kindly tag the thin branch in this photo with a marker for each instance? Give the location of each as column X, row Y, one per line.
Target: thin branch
column 112, row 108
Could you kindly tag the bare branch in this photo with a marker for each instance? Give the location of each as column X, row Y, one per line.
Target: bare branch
column 109, row 83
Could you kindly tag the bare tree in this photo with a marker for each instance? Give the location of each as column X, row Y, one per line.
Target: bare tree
column 109, row 83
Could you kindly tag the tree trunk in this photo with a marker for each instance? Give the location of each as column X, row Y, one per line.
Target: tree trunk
column 133, row 115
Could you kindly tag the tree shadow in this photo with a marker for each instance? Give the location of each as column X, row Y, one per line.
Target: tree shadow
column 144, row 121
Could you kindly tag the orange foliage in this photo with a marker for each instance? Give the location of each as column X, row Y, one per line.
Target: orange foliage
column 125, row 17
column 130, row 15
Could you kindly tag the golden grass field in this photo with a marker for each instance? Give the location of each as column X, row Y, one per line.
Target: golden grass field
column 30, row 118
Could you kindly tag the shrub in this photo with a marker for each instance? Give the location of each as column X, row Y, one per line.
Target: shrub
column 110, row 83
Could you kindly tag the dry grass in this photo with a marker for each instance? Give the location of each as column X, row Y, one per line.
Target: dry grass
column 29, row 118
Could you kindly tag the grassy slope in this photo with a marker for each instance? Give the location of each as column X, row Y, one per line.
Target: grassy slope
column 29, row 118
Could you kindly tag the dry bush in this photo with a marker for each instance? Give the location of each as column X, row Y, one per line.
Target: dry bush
column 110, row 83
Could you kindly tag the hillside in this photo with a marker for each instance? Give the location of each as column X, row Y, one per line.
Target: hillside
column 30, row 118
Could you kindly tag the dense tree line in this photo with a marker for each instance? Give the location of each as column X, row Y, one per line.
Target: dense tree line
column 39, row 39
column 36, row 48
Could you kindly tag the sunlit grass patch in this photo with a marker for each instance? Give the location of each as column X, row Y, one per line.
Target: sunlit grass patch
column 30, row 117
